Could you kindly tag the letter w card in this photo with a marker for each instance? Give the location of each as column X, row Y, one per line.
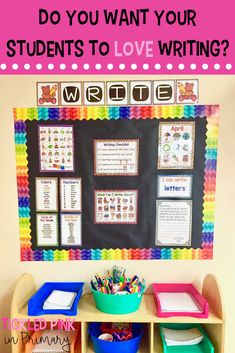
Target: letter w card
column 71, row 93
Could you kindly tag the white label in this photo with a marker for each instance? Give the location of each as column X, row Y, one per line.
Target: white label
column 175, row 186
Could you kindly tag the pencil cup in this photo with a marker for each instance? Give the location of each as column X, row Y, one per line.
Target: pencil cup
column 117, row 304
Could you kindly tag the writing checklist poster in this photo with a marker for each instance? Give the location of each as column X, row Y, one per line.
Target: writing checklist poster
column 116, row 157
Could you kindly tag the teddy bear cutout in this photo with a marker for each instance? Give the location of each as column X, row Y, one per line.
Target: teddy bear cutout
column 186, row 92
column 48, row 94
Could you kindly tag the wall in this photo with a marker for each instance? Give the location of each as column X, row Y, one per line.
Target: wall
column 17, row 91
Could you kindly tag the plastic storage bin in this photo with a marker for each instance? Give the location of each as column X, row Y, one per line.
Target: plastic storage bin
column 181, row 288
column 117, row 304
column 35, row 304
column 203, row 347
column 130, row 346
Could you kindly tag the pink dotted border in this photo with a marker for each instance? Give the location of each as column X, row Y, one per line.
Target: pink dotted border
column 121, row 67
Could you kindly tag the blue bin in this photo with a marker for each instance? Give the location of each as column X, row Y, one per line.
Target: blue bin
column 130, row 346
column 35, row 303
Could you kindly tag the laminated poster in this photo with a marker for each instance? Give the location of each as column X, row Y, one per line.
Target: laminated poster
column 116, row 206
column 116, row 157
column 71, row 194
column 71, row 229
column 47, row 229
column 173, row 226
column 176, row 145
column 46, row 194
column 56, row 148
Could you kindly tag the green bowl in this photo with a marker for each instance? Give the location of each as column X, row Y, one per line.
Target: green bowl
column 117, row 304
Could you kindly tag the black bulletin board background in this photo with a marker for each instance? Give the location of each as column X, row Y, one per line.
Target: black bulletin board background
column 141, row 235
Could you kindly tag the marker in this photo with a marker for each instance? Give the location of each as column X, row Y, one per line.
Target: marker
column 134, row 279
column 93, row 285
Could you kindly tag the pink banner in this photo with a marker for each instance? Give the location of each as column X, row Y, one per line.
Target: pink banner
column 144, row 37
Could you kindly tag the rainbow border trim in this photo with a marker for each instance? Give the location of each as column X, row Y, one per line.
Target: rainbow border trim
column 86, row 113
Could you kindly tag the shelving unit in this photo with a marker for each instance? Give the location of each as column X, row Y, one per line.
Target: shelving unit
column 151, row 343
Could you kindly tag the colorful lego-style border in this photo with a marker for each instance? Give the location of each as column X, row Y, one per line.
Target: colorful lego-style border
column 86, row 113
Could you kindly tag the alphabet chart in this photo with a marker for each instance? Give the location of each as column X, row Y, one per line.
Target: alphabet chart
column 56, row 148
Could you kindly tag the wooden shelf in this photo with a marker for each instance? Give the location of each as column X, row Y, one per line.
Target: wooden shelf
column 87, row 313
column 146, row 313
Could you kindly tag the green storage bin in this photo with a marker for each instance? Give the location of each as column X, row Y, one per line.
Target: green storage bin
column 117, row 304
column 204, row 347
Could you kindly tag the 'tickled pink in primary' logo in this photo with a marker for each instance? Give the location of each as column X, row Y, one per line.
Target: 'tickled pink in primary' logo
column 37, row 324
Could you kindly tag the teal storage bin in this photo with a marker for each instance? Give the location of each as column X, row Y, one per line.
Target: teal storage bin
column 117, row 304
column 204, row 347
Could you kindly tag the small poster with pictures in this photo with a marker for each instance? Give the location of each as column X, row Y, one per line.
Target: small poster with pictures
column 46, row 195
column 71, row 232
column 116, row 206
column 116, row 157
column 71, row 194
column 47, row 229
column 173, row 222
column 176, row 145
column 56, row 148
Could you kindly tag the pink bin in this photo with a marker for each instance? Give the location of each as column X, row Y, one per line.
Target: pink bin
column 181, row 288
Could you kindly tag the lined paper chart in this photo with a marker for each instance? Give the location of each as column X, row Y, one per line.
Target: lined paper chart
column 173, row 222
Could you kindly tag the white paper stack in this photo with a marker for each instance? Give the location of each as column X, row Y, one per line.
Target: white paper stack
column 182, row 337
column 178, row 302
column 59, row 300
column 54, row 342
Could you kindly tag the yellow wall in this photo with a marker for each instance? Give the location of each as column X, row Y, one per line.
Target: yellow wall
column 20, row 91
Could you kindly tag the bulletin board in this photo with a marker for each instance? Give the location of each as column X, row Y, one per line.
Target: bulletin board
column 116, row 182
